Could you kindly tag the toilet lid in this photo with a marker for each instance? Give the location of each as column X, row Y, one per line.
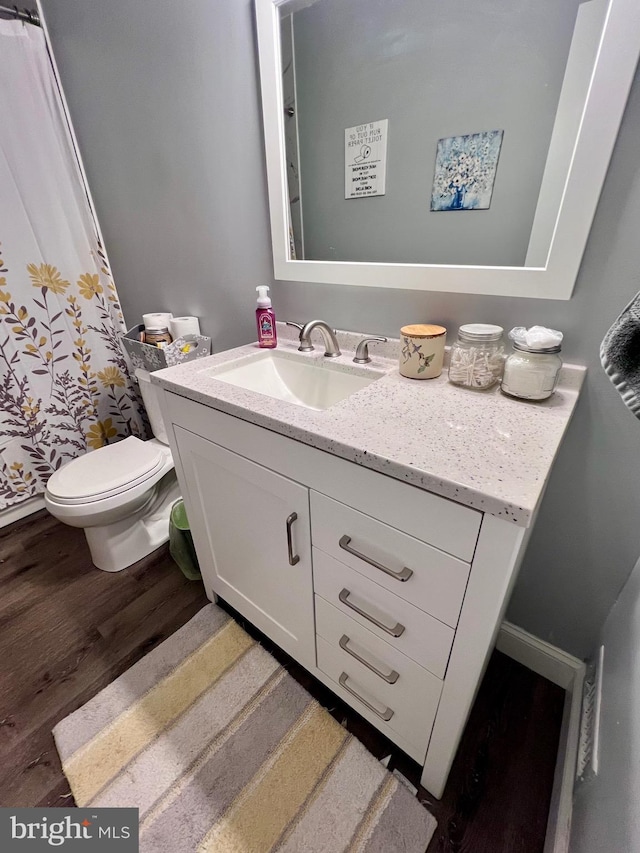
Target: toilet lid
column 105, row 472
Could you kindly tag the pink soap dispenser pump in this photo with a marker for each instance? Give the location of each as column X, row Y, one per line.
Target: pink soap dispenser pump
column 266, row 320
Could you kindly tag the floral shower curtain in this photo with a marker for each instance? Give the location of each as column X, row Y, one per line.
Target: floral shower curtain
column 64, row 385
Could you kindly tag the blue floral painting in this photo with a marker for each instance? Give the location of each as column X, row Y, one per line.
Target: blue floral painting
column 465, row 171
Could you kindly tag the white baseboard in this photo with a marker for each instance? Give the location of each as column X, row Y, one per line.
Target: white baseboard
column 548, row 661
column 15, row 513
column 568, row 672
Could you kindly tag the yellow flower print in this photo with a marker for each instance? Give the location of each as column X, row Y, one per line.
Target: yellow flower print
column 100, row 433
column 19, row 480
column 89, row 285
column 5, row 298
column 48, row 277
column 111, row 376
column 31, row 407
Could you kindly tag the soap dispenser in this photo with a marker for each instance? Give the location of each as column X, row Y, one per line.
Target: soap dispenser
column 266, row 320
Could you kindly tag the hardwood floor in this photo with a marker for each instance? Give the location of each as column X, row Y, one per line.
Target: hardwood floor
column 67, row 630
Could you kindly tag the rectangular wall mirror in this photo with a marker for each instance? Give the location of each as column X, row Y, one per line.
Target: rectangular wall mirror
column 458, row 146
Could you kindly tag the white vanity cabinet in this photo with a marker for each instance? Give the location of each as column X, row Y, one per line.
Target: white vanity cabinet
column 388, row 594
column 252, row 536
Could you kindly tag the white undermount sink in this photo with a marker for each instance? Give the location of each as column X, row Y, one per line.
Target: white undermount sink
column 313, row 384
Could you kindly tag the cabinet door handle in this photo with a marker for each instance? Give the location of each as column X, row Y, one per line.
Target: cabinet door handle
column 396, row 631
column 294, row 559
column 384, row 715
column 391, row 678
column 402, row 575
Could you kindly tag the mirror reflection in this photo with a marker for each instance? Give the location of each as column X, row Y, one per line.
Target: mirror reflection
column 432, row 132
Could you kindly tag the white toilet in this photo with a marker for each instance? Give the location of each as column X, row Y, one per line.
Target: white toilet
column 121, row 493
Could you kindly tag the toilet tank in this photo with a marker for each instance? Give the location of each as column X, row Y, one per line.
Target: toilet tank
column 150, row 395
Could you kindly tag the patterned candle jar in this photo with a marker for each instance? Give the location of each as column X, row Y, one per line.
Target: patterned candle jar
column 422, row 351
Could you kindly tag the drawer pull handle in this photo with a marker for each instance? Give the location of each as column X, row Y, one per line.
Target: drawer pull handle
column 396, row 631
column 384, row 715
column 294, row 559
column 391, row 678
column 402, row 575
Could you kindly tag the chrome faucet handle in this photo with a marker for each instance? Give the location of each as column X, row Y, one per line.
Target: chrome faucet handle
column 362, row 352
column 300, row 327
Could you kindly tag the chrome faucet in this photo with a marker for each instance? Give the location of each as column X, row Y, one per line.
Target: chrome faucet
column 331, row 348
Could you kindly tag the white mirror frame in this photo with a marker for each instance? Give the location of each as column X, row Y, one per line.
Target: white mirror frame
column 613, row 72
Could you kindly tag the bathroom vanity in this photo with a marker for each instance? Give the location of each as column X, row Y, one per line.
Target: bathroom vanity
column 376, row 540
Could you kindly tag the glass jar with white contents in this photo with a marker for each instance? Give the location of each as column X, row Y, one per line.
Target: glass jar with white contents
column 531, row 373
column 476, row 359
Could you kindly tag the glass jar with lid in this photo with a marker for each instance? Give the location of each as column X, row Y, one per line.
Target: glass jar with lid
column 531, row 373
column 477, row 357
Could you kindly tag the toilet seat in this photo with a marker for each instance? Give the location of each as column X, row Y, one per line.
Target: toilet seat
column 106, row 472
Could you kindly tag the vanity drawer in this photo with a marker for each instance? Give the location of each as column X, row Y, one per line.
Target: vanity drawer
column 442, row 523
column 408, row 706
column 422, row 575
column 424, row 639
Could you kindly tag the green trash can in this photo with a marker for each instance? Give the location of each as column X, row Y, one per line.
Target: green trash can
column 181, row 542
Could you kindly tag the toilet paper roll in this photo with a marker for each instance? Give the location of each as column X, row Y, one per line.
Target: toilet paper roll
column 157, row 320
column 179, row 326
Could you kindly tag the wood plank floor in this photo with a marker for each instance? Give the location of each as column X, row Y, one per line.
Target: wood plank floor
column 67, row 630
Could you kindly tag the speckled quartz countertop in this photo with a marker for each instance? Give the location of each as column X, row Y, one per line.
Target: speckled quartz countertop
column 480, row 448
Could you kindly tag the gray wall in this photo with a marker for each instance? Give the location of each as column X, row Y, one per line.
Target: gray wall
column 605, row 812
column 434, row 70
column 166, row 108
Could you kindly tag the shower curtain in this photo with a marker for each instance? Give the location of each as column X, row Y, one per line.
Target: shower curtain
column 64, row 385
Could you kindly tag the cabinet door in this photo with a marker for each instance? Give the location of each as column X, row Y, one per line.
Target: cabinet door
column 249, row 525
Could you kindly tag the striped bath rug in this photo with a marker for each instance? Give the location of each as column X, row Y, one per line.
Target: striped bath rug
column 221, row 750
